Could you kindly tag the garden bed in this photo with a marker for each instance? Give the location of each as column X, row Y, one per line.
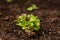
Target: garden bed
column 47, row 11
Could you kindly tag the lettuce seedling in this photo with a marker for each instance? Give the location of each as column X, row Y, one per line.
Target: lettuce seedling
column 28, row 23
column 32, row 7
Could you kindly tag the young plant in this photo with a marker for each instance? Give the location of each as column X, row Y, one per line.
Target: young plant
column 29, row 23
column 9, row 0
column 32, row 7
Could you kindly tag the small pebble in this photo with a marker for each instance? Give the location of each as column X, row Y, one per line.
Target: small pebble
column 0, row 39
column 42, row 32
column 19, row 32
column 58, row 31
column 14, row 30
column 6, row 18
column 50, row 33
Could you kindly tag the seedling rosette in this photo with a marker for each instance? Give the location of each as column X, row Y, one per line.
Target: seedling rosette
column 29, row 23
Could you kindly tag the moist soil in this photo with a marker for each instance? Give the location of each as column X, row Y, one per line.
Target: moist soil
column 48, row 12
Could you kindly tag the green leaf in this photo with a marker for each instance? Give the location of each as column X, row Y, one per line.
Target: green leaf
column 32, row 7
column 23, row 27
column 36, row 28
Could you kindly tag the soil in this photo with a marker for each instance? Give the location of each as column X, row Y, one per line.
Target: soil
column 48, row 12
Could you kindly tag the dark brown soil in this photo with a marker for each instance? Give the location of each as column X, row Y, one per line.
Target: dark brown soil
column 48, row 11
